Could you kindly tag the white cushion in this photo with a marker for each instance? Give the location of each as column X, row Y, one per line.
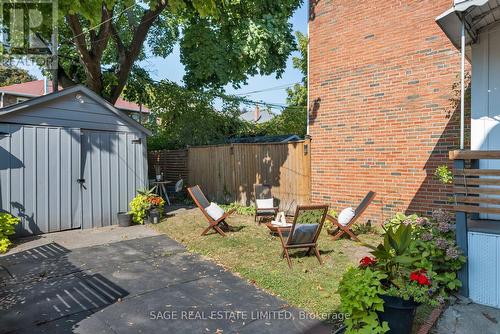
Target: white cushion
column 345, row 216
column 214, row 211
column 267, row 203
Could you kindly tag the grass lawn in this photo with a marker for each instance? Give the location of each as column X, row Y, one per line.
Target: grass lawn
column 254, row 254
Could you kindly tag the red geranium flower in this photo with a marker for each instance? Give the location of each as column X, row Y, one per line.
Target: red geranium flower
column 419, row 277
column 367, row 261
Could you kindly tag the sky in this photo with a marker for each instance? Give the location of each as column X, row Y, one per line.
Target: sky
column 171, row 68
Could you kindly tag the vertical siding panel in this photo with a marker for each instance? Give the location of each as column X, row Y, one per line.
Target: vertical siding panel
column 87, row 208
column 482, row 274
column 114, row 180
column 15, row 204
column 105, row 180
column 4, row 166
column 122, row 167
column 77, row 146
column 130, row 164
column 41, row 180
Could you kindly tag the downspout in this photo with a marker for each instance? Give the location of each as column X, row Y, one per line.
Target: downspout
column 308, row 78
column 462, row 86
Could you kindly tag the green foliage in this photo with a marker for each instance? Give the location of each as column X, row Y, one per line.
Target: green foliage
column 143, row 202
column 188, row 117
column 360, row 290
column 444, row 174
column 7, row 228
column 221, row 42
column 139, row 207
column 363, row 228
column 14, row 75
column 297, row 95
column 240, row 209
column 293, row 119
column 440, row 255
column 400, row 218
column 393, row 253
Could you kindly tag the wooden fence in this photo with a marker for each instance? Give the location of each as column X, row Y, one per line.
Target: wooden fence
column 173, row 164
column 227, row 173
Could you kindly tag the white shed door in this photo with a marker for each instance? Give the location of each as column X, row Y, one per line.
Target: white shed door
column 114, row 168
column 484, row 268
column 485, row 120
column 39, row 167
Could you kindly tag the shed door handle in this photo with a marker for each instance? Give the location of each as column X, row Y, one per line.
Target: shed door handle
column 81, row 181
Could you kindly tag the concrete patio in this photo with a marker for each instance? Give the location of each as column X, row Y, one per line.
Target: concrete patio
column 129, row 280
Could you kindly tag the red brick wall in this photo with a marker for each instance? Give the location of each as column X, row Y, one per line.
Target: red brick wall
column 381, row 111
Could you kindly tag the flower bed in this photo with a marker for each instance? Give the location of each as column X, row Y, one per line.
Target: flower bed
column 417, row 263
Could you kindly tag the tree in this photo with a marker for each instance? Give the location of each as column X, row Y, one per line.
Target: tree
column 14, row 75
column 221, row 41
column 188, row 117
column 293, row 119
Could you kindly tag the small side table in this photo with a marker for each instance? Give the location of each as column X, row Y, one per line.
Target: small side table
column 161, row 190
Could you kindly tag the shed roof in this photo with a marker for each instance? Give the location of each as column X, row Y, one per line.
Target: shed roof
column 28, row 104
column 36, row 88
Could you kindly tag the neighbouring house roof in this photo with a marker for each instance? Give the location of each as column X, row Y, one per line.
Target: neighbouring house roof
column 477, row 15
column 261, row 116
column 264, row 139
column 29, row 104
column 36, row 88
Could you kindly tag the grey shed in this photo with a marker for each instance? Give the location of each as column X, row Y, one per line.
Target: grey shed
column 69, row 160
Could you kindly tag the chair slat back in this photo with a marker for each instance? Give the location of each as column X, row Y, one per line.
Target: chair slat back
column 307, row 214
column 262, row 191
column 363, row 205
column 198, row 197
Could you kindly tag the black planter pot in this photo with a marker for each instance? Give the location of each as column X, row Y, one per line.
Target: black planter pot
column 399, row 314
column 154, row 216
column 124, row 219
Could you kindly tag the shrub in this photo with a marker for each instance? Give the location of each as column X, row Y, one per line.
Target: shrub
column 444, row 174
column 240, row 209
column 7, row 228
column 360, row 290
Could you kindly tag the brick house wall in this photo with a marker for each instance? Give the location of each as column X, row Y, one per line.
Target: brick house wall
column 382, row 111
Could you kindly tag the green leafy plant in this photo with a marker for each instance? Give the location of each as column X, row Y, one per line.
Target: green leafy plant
column 143, row 202
column 328, row 225
column 7, row 228
column 400, row 218
column 360, row 290
column 440, row 255
column 444, row 174
column 240, row 209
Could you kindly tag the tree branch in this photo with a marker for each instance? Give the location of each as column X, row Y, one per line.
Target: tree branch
column 76, row 29
column 139, row 36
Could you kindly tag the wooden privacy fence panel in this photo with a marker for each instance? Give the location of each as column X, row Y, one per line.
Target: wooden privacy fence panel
column 227, row 173
column 173, row 164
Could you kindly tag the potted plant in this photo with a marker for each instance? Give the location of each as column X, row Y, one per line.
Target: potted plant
column 155, row 209
column 146, row 206
column 124, row 219
column 406, row 270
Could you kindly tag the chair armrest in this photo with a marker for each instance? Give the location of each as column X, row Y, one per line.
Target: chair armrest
column 331, row 218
